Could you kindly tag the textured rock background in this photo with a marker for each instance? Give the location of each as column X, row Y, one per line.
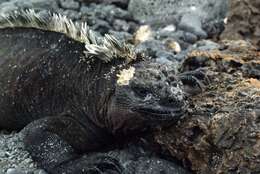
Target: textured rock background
column 13, row 158
column 149, row 10
column 176, row 28
column 243, row 21
column 186, row 14
column 221, row 132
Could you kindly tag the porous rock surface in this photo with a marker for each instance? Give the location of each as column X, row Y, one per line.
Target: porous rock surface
column 243, row 21
column 13, row 157
column 165, row 11
column 221, row 131
column 20, row 4
column 184, row 22
column 101, row 17
column 120, row 3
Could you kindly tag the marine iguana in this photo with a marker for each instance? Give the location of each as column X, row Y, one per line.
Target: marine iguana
column 75, row 92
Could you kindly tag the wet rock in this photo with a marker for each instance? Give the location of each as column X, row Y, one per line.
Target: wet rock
column 69, row 4
column 109, row 17
column 14, row 171
column 165, row 57
column 138, row 160
column 155, row 166
column 122, row 36
column 13, row 155
column 194, row 20
column 163, row 33
column 214, row 28
column 205, row 45
column 189, row 37
column 252, row 70
column 121, row 25
column 180, row 56
column 21, row 4
column 118, row 13
column 133, row 26
column 185, row 39
column 119, row 3
column 192, row 24
column 92, row 11
column 165, row 12
column 150, row 47
column 71, row 14
column 168, row 28
column 39, row 171
column 243, row 21
column 110, row 11
column 101, row 26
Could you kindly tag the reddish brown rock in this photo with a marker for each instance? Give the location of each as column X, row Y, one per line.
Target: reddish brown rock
column 243, row 21
column 221, row 132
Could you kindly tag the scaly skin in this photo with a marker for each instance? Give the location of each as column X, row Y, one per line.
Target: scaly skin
column 69, row 107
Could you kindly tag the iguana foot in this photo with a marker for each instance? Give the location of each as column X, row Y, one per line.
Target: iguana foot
column 194, row 81
column 93, row 164
column 55, row 141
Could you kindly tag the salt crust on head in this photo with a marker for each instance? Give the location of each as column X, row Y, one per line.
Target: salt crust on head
column 125, row 76
column 105, row 48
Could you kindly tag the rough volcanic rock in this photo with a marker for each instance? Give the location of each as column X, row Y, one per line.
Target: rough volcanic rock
column 103, row 18
column 21, row 4
column 243, row 21
column 181, row 13
column 138, row 158
column 13, row 157
column 184, row 21
column 220, row 133
column 69, row 4
column 193, row 24
column 120, row 3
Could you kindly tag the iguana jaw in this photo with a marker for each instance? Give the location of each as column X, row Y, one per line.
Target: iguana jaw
column 160, row 113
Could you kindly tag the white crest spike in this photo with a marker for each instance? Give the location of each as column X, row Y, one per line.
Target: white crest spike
column 106, row 48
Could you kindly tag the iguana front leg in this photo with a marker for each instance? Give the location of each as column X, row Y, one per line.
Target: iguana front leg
column 194, row 81
column 56, row 143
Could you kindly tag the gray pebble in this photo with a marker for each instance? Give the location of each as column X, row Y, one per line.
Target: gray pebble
column 164, row 55
column 71, row 14
column 205, row 45
column 150, row 47
column 121, row 25
column 40, row 171
column 21, row 4
column 101, row 26
column 192, row 23
column 14, row 171
column 121, row 36
column 190, row 37
column 69, row 4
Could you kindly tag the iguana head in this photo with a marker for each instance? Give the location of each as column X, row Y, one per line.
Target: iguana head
column 146, row 92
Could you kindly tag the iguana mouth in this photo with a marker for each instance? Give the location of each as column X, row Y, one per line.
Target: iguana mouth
column 160, row 113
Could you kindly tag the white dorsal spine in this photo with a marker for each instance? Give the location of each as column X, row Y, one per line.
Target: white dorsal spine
column 105, row 48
